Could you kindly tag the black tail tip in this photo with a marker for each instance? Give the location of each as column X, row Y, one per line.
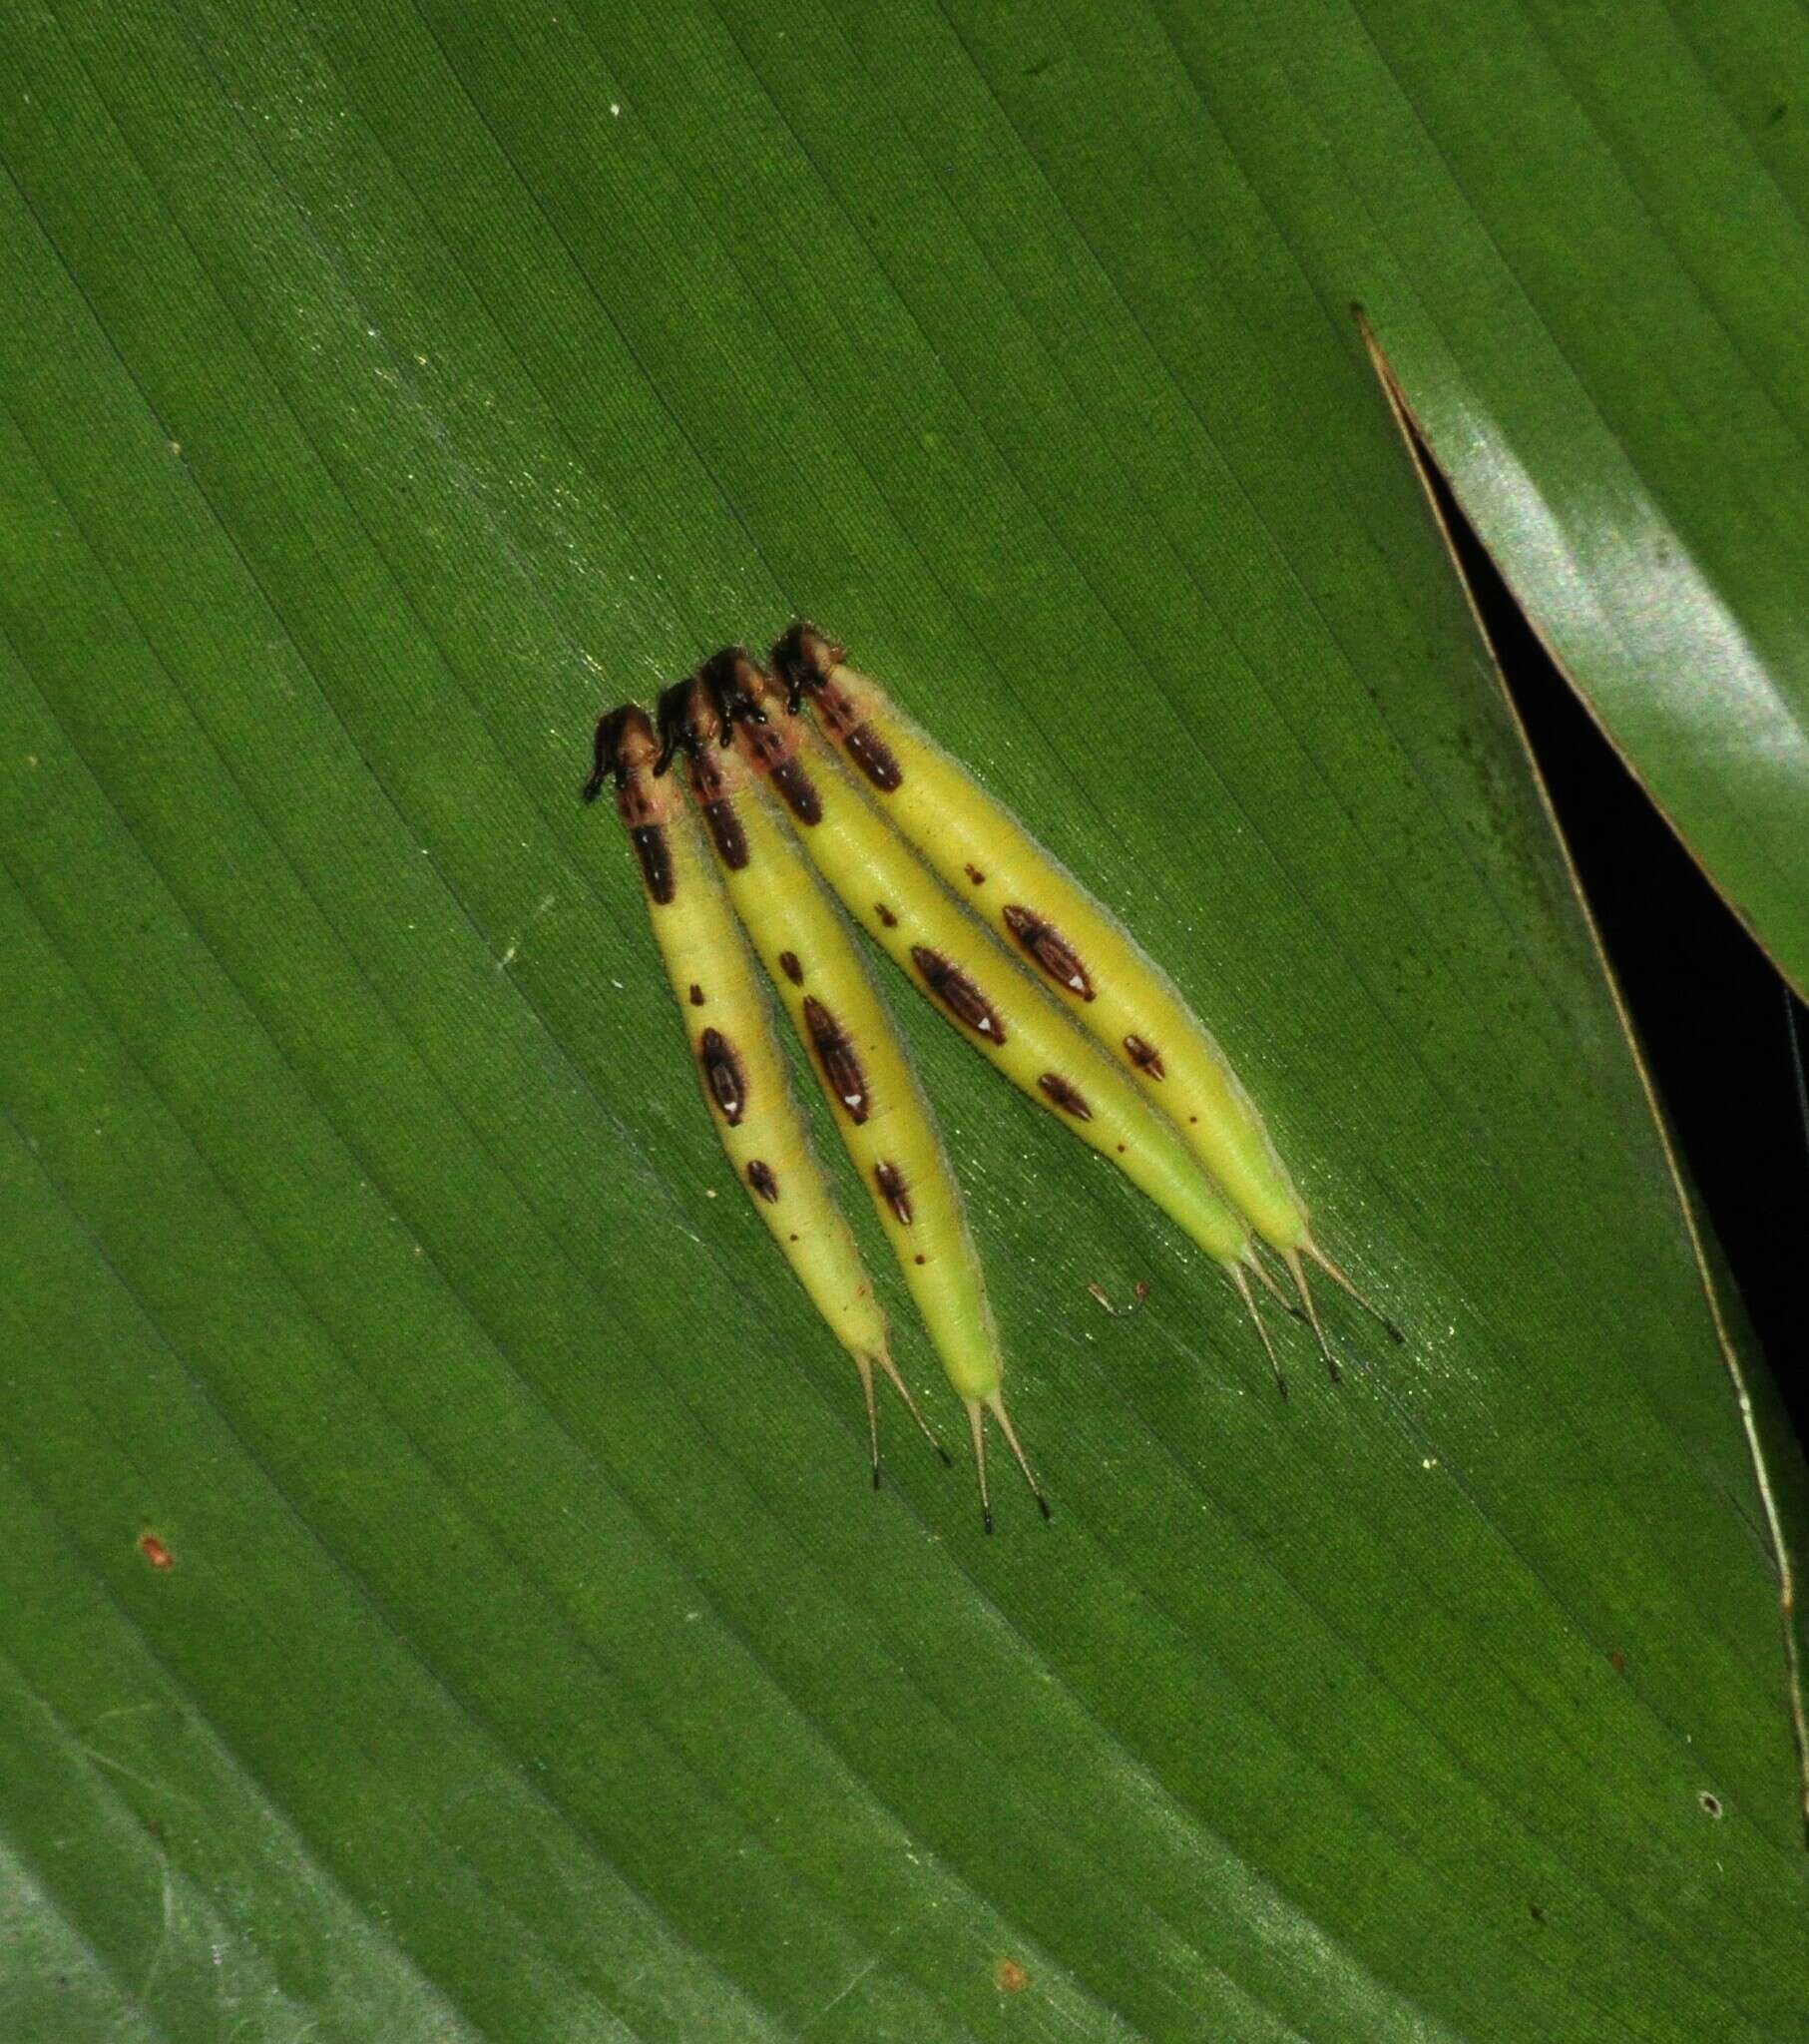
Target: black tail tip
column 948, row 1460
column 1281, row 1387
column 986, row 1517
column 1043, row 1506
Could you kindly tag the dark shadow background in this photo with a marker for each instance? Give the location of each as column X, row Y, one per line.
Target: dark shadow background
column 1713, row 1013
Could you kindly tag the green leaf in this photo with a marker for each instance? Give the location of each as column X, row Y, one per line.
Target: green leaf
column 383, row 393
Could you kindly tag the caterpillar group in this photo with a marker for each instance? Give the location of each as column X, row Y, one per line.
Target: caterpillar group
column 1003, row 941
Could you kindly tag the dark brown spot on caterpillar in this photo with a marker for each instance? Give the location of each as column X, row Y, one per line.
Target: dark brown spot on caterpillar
column 1050, row 950
column 885, row 915
column 920, row 1259
column 651, row 847
column 1069, row 1099
column 792, row 970
column 957, row 993
column 974, row 874
column 154, row 1552
column 1145, row 1056
column 767, row 746
column 891, row 1183
column 722, row 1075
column 725, row 830
column 841, row 718
column 760, row 1177
column 799, row 791
column 697, row 995
column 873, row 757
column 835, row 1053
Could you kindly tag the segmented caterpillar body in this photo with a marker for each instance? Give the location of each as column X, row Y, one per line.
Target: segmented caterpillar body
column 854, row 1047
column 739, row 1063
column 956, row 963
column 1081, row 954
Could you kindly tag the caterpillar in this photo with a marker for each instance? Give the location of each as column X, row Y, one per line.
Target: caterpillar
column 967, row 977
column 854, row 1047
column 1081, row 954
column 738, row 1059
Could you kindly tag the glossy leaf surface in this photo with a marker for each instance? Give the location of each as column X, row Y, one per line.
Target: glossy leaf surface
column 382, row 394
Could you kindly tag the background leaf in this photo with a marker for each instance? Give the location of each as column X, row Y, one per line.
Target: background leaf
column 384, row 392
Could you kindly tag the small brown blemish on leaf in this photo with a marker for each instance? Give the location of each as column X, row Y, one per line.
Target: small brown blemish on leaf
column 697, row 995
column 723, row 1076
column 1145, row 1056
column 893, row 1190
column 792, row 970
column 760, row 1177
column 885, row 915
column 1537, row 1913
column 1711, row 1802
column 1068, row 1097
column 155, row 1551
column 920, row 1259
column 1010, row 1977
column 957, row 993
column 1618, row 1661
column 835, row 1053
column 1050, row 950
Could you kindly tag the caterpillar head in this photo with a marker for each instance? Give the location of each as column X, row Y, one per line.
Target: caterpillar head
column 725, row 691
column 804, row 659
column 625, row 747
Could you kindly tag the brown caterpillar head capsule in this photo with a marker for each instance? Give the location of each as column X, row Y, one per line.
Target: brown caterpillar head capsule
column 624, row 750
column 804, row 659
column 737, row 686
column 691, row 719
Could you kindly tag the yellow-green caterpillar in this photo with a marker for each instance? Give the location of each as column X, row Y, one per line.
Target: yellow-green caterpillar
column 964, row 972
column 854, row 1047
column 738, row 1058
column 1104, row 977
